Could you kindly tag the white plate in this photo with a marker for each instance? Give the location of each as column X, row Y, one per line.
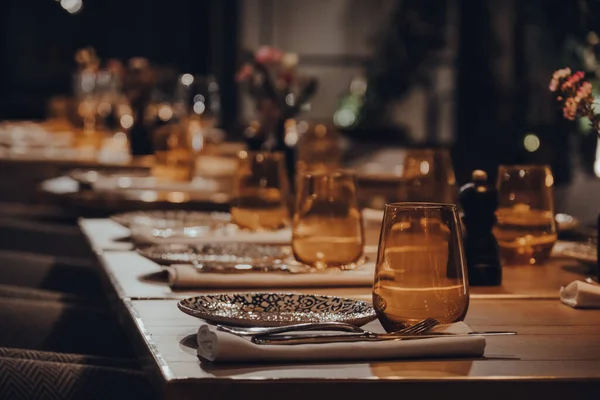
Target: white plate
column 172, row 219
column 583, row 252
column 131, row 182
column 192, row 227
column 276, row 309
column 91, row 176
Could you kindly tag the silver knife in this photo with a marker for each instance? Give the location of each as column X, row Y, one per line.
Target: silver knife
column 350, row 337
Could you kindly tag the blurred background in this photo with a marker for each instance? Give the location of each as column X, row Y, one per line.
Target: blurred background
column 468, row 76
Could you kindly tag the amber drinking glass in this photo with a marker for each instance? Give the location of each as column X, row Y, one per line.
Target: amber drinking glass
column 174, row 159
column 410, row 175
column 327, row 226
column 525, row 228
column 421, row 268
column 260, row 191
column 319, row 146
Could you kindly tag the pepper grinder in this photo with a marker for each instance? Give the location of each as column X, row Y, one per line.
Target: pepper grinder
column 479, row 201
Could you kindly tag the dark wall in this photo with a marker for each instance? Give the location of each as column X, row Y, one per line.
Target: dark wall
column 38, row 40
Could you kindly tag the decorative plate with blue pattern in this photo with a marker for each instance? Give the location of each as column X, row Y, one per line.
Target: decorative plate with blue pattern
column 276, row 309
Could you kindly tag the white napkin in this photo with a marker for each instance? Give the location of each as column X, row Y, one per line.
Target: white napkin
column 220, row 346
column 579, row 294
column 143, row 234
column 182, row 276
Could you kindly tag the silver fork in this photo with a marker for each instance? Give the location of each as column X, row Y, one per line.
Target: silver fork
column 419, row 327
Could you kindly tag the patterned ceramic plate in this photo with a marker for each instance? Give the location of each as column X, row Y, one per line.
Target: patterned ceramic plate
column 275, row 309
column 216, row 254
column 174, row 219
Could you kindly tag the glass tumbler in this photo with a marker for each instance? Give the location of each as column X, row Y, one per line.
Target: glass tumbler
column 327, row 227
column 525, row 227
column 421, row 269
column 260, row 191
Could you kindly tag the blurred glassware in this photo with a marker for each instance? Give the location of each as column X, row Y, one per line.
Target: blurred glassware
column 57, row 115
column 319, row 145
column 139, row 79
column 260, row 191
column 102, row 109
column 429, row 175
column 327, row 226
column 86, row 101
column 526, row 228
column 188, row 129
column 203, row 113
column 421, row 268
column 173, row 156
column 406, row 175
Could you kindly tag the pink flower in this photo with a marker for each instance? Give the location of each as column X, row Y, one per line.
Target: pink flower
column 570, row 108
column 244, row 73
column 584, row 91
column 557, row 76
column 268, row 55
column 572, row 81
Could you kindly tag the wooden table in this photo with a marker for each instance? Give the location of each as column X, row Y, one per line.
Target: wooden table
column 556, row 354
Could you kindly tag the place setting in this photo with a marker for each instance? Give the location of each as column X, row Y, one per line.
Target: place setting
column 257, row 244
column 409, row 317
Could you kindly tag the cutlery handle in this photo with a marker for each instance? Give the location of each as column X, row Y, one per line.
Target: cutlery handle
column 310, row 326
column 291, row 340
column 370, row 337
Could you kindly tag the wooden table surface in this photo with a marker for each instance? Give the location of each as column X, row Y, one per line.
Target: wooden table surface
column 556, row 345
column 555, row 354
column 133, row 276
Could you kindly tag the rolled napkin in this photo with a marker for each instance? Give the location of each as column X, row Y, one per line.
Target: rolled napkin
column 579, row 294
column 185, row 276
column 217, row 346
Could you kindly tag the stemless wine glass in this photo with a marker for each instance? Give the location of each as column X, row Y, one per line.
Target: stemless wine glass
column 260, row 191
column 327, row 225
column 398, row 175
column 526, row 229
column 421, row 268
column 429, row 176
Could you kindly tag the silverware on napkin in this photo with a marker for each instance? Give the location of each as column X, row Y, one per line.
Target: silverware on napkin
column 359, row 337
column 419, row 327
column 256, row 267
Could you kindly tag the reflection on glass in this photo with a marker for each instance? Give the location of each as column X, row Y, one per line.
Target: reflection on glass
column 319, row 146
column 525, row 230
column 327, row 226
column 407, row 175
column 173, row 158
column 429, row 176
column 186, row 109
column 421, row 268
column 260, row 191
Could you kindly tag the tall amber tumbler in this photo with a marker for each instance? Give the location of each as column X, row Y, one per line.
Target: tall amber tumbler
column 421, row 268
column 327, row 227
column 260, row 191
column 525, row 228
